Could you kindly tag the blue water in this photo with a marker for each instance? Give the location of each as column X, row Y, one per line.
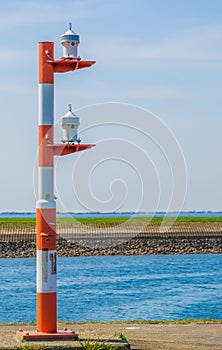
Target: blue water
column 118, row 288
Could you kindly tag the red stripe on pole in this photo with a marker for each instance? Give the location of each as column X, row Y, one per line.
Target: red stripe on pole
column 46, row 52
column 46, row 138
column 46, row 229
column 46, row 312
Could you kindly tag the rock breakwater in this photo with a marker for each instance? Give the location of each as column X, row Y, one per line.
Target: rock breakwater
column 135, row 246
column 128, row 239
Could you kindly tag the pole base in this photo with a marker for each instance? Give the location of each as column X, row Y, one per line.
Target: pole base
column 40, row 336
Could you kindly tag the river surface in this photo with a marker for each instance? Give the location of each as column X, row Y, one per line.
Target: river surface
column 110, row 288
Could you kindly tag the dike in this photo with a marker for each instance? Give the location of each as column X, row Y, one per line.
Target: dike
column 135, row 246
column 127, row 239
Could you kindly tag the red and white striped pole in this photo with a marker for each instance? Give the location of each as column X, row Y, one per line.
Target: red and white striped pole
column 46, row 206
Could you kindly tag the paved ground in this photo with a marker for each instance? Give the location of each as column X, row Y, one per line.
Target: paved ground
column 195, row 336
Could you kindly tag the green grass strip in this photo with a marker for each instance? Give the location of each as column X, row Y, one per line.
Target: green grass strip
column 116, row 221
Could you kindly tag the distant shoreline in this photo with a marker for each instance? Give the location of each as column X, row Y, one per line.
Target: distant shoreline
column 129, row 214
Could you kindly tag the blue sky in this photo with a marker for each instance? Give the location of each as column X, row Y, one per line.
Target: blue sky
column 163, row 56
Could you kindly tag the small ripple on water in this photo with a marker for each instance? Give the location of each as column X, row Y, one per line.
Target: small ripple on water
column 118, row 287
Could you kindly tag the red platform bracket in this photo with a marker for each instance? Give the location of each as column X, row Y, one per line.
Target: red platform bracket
column 68, row 64
column 64, row 149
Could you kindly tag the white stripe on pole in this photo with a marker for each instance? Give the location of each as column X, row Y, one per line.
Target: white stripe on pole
column 45, row 182
column 46, row 204
column 46, row 267
column 46, row 98
column 46, row 199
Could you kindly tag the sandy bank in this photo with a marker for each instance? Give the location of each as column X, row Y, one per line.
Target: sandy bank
column 194, row 336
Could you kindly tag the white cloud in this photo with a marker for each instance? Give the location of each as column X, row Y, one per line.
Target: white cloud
column 26, row 13
column 199, row 46
column 41, row 12
column 16, row 57
column 154, row 93
column 97, row 90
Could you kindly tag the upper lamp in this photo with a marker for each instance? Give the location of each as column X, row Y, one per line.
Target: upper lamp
column 70, row 41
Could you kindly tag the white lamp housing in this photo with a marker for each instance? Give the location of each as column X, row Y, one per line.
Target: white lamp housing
column 70, row 123
column 70, row 41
